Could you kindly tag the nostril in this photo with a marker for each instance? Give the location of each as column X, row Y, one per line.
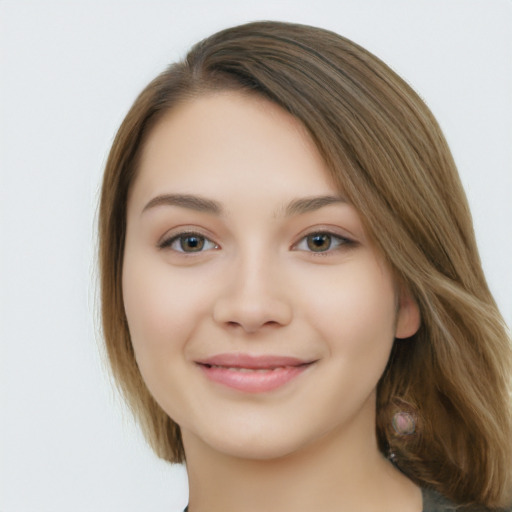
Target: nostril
column 246, row 326
column 251, row 313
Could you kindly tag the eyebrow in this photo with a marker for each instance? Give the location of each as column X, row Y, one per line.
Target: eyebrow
column 189, row 201
column 310, row 204
column 201, row 204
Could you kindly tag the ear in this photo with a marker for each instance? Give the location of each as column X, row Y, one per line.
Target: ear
column 408, row 316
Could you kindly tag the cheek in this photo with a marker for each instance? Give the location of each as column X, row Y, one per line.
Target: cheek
column 161, row 307
column 356, row 312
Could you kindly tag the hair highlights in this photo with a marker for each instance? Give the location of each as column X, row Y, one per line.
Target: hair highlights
column 386, row 152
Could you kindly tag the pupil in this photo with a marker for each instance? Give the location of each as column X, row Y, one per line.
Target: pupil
column 192, row 243
column 319, row 243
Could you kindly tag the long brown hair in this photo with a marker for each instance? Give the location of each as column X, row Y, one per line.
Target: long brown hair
column 386, row 152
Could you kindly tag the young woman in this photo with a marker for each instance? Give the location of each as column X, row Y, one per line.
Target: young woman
column 292, row 298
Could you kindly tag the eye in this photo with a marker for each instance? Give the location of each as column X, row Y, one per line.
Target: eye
column 321, row 242
column 188, row 243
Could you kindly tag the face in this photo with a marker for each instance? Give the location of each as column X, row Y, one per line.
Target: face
column 260, row 314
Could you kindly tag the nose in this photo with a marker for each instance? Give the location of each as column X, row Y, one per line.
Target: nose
column 254, row 297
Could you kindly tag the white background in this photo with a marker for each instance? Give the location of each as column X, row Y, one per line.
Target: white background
column 69, row 71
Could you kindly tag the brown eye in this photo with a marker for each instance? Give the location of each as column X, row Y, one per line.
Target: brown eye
column 191, row 243
column 319, row 242
column 188, row 243
column 322, row 241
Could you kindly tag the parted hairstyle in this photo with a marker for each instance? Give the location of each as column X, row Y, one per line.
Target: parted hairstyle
column 388, row 156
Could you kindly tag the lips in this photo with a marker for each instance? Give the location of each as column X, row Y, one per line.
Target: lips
column 252, row 374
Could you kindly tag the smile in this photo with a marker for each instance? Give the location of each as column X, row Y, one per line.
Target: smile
column 252, row 374
column 247, row 370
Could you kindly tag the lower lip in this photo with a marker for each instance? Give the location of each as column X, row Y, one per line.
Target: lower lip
column 253, row 381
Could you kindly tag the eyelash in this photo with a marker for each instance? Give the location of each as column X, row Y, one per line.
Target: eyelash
column 334, row 239
column 179, row 238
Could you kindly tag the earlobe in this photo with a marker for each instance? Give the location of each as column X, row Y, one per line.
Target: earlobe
column 408, row 318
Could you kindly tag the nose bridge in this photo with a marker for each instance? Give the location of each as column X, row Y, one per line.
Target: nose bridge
column 253, row 270
column 254, row 295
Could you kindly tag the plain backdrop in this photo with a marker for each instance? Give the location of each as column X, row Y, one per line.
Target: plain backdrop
column 69, row 71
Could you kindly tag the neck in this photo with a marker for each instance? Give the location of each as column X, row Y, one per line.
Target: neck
column 338, row 472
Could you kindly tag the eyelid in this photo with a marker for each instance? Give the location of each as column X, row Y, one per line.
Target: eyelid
column 345, row 241
column 169, row 239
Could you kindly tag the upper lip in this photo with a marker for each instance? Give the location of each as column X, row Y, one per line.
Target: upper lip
column 256, row 362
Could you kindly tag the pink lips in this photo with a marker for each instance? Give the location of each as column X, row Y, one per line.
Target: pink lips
column 252, row 374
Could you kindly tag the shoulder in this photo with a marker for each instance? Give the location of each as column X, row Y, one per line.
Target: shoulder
column 435, row 502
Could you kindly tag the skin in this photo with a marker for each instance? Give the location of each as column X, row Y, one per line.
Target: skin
column 257, row 287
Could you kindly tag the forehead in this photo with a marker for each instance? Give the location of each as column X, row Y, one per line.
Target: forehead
column 232, row 139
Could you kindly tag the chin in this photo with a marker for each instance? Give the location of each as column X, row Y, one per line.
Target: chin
column 262, row 452
column 262, row 445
